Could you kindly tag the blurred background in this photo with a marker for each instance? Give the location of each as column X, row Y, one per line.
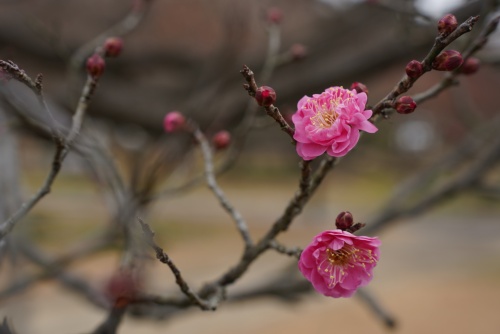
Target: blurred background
column 440, row 265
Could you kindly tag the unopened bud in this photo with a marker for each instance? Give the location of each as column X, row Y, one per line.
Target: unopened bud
column 447, row 24
column 405, row 105
column 274, row 15
column 470, row 66
column 95, row 65
column 173, row 121
column 265, row 96
column 359, row 87
column 447, row 61
column 298, row 51
column 414, row 69
column 344, row 220
column 122, row 288
column 221, row 140
column 113, row 46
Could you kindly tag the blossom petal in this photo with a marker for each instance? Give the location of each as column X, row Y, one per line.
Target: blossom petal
column 368, row 126
column 309, row 151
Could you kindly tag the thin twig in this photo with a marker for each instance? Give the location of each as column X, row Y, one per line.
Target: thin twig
column 9, row 224
column 214, row 187
column 112, row 321
column 406, row 82
column 292, row 210
column 374, row 305
column 164, row 258
column 125, row 26
column 450, row 78
column 35, row 86
column 251, row 87
column 294, row 252
column 62, row 145
column 247, row 124
column 472, row 175
column 83, row 103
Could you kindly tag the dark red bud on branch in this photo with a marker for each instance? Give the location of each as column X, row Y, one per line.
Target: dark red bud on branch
column 359, row 87
column 221, row 140
column 405, row 105
column 470, row 66
column 447, row 61
column 95, row 65
column 265, row 96
column 122, row 288
column 274, row 15
column 298, row 51
column 414, row 69
column 447, row 24
column 173, row 121
column 344, row 220
column 113, row 46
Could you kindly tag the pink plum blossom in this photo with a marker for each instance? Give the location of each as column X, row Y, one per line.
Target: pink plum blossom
column 337, row 262
column 330, row 122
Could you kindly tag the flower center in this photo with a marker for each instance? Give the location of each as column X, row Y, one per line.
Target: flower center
column 336, row 264
column 324, row 119
column 341, row 256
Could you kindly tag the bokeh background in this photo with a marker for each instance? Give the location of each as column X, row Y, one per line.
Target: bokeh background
column 439, row 271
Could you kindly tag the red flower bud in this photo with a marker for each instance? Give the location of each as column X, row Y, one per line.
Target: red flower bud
column 405, row 105
column 447, row 61
column 113, row 46
column 470, row 66
column 95, row 65
column 265, row 96
column 274, row 15
column 447, row 24
column 173, row 121
column 359, row 87
column 122, row 288
column 414, row 69
column 221, row 140
column 344, row 220
column 298, row 51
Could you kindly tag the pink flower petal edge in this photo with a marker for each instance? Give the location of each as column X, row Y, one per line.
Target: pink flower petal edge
column 337, row 262
column 330, row 122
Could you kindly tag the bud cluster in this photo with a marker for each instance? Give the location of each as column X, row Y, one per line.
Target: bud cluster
column 95, row 64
